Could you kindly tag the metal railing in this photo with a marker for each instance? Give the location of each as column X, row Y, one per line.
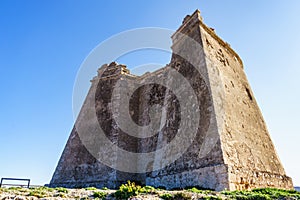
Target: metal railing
column 15, row 179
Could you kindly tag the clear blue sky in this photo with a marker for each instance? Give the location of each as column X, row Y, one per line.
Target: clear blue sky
column 43, row 43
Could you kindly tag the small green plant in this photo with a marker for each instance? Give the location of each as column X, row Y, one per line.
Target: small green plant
column 62, row 190
column 128, row 190
column 37, row 193
column 43, row 188
column 148, row 190
column 99, row 194
column 90, row 188
column 104, row 188
column 166, row 196
column 196, row 190
column 131, row 189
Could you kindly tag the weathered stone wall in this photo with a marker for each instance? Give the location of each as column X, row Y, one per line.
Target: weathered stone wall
column 232, row 148
column 203, row 167
column 246, row 143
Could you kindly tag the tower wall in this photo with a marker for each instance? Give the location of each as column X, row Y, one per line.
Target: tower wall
column 247, row 147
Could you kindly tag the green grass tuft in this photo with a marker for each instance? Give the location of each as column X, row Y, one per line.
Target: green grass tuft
column 90, row 188
column 127, row 190
column 130, row 189
column 166, row 196
column 262, row 194
column 62, row 190
column 195, row 190
column 99, row 194
column 37, row 193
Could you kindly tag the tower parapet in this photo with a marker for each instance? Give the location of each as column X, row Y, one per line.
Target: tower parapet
column 190, row 27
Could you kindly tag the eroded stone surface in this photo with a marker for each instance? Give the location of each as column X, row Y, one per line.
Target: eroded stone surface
column 231, row 150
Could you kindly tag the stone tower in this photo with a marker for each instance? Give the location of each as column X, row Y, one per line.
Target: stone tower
column 231, row 148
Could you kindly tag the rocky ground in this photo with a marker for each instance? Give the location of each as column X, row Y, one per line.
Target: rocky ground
column 132, row 191
column 82, row 194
